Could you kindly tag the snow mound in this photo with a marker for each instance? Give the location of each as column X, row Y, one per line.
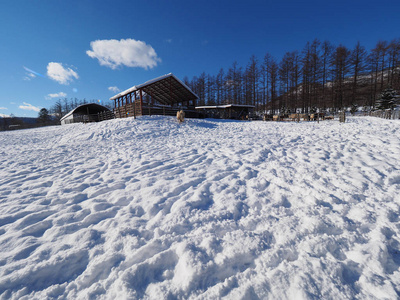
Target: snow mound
column 207, row 209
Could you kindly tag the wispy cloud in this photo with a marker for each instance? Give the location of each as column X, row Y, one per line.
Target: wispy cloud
column 30, row 74
column 3, row 108
column 56, row 95
column 169, row 41
column 28, row 106
column 129, row 53
column 61, row 74
column 114, row 89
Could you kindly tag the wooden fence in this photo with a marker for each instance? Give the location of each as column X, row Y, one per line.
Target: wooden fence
column 386, row 114
column 132, row 110
column 101, row 116
column 105, row 115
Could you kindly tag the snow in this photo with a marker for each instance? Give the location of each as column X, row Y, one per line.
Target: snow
column 209, row 209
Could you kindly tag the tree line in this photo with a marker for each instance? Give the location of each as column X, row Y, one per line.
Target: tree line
column 320, row 76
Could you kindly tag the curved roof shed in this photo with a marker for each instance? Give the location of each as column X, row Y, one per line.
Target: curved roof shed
column 86, row 113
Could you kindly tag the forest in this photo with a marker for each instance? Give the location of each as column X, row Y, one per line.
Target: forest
column 320, row 76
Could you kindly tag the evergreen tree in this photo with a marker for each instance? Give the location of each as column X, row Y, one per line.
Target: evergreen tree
column 387, row 100
column 43, row 116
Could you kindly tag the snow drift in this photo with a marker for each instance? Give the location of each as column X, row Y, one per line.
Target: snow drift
column 149, row 208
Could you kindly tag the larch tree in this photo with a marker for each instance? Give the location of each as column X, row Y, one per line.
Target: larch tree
column 340, row 67
column 358, row 66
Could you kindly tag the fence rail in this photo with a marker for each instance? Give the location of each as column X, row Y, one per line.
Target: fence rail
column 130, row 110
column 101, row 116
column 386, row 114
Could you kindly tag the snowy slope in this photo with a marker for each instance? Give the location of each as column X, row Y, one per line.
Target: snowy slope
column 208, row 209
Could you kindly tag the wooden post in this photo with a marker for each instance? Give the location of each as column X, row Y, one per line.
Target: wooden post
column 134, row 107
column 141, row 102
column 342, row 117
column 170, row 90
column 119, row 108
column 130, row 102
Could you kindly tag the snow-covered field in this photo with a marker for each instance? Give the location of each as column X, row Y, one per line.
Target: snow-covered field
column 148, row 208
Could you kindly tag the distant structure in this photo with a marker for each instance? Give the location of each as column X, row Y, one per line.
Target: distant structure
column 229, row 111
column 164, row 95
column 91, row 112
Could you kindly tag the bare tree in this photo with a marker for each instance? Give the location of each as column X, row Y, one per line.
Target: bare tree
column 266, row 79
column 210, row 90
column 340, row 67
column 306, row 78
column 393, row 64
column 358, row 66
column 219, row 82
column 284, row 71
column 252, row 77
column 273, row 79
column 326, row 53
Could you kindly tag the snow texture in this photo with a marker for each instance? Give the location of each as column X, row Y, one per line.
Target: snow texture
column 207, row 209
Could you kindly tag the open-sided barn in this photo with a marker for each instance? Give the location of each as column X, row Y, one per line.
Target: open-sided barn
column 229, row 111
column 164, row 95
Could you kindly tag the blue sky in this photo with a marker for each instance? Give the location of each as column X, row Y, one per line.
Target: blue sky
column 54, row 49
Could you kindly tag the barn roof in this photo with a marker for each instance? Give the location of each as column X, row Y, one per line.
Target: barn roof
column 92, row 108
column 166, row 89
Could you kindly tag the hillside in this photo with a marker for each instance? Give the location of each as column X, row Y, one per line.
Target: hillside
column 148, row 208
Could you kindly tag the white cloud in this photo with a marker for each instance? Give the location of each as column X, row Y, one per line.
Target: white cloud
column 56, row 95
column 114, row 89
column 129, row 53
column 61, row 74
column 3, row 108
column 28, row 106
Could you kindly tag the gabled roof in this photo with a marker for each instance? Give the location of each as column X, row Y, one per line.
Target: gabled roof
column 83, row 109
column 166, row 89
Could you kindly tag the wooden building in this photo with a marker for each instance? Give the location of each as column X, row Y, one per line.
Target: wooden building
column 91, row 112
column 164, row 95
column 229, row 111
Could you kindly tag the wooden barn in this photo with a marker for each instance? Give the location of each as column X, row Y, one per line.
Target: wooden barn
column 164, row 95
column 91, row 112
column 229, row 111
